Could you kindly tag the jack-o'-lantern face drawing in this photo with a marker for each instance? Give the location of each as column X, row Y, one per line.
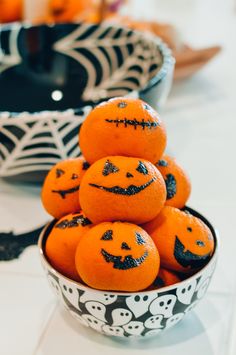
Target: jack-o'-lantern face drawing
column 61, row 187
column 191, row 254
column 185, row 243
column 178, row 185
column 112, row 255
column 122, row 186
column 67, row 10
column 62, row 242
column 125, row 127
column 110, row 168
column 128, row 261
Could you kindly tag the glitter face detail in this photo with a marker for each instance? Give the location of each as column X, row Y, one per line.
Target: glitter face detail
column 59, row 173
column 139, row 239
column 162, row 162
column 142, row 169
column 200, row 243
column 76, row 221
column 109, row 168
column 125, row 246
column 107, row 235
column 187, row 259
column 122, row 104
column 63, row 193
column 128, row 263
column 129, row 191
column 135, row 123
column 74, row 177
column 170, row 186
column 129, row 175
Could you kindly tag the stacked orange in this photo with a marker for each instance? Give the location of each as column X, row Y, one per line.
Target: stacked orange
column 58, row 11
column 11, row 11
column 130, row 195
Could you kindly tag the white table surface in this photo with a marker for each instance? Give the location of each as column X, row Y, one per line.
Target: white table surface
column 201, row 124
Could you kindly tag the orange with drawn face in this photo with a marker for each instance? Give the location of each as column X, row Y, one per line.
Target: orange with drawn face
column 122, row 189
column 117, row 256
column 60, row 192
column 184, row 242
column 123, row 126
column 62, row 242
column 10, row 10
column 178, row 185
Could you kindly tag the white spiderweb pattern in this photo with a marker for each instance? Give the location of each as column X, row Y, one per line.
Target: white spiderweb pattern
column 13, row 58
column 127, row 60
column 36, row 142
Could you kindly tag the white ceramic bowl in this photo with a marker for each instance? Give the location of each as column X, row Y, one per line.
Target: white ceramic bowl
column 136, row 314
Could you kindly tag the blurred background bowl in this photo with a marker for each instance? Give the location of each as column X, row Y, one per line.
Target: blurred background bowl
column 139, row 314
column 51, row 77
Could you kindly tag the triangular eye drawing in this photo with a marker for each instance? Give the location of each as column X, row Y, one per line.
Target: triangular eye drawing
column 139, row 239
column 109, row 168
column 107, row 235
column 142, row 169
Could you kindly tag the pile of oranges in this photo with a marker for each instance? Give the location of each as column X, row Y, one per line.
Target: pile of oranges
column 121, row 222
column 59, row 11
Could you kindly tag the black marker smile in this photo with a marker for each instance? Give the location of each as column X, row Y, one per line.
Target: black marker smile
column 187, row 258
column 130, row 190
column 63, row 193
column 128, row 263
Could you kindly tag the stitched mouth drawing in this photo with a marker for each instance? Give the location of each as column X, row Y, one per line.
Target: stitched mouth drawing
column 135, row 123
column 129, row 191
column 63, row 193
column 187, row 258
column 128, row 263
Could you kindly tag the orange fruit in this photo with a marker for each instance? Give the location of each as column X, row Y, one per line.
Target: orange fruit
column 164, row 278
column 184, row 242
column 10, row 10
column 178, row 185
column 61, row 187
column 124, row 189
column 62, row 242
column 123, row 126
column 117, row 256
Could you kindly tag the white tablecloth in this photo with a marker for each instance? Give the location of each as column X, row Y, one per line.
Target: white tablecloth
column 201, row 124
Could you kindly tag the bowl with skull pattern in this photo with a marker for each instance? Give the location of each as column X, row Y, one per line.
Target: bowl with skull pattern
column 130, row 314
column 51, row 76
